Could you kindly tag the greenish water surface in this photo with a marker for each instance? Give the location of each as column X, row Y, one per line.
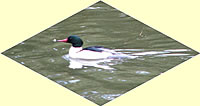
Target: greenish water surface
column 105, row 26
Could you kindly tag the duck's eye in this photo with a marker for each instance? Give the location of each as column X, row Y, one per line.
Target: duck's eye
column 70, row 38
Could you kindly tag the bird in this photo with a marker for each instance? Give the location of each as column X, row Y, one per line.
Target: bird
column 93, row 52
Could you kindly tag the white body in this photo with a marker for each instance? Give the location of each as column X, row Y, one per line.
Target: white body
column 80, row 63
column 77, row 52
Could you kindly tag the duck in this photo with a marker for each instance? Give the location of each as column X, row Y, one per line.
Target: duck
column 93, row 52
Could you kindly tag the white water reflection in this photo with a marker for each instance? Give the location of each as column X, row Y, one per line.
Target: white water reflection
column 68, row 82
column 177, row 50
column 173, row 54
column 142, row 72
column 110, row 96
column 149, row 53
column 80, row 63
column 92, row 8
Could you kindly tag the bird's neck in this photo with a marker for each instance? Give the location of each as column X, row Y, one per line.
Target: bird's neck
column 74, row 50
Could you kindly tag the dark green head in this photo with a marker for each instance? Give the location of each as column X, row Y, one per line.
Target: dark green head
column 74, row 40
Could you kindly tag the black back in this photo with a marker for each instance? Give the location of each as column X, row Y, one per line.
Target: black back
column 94, row 48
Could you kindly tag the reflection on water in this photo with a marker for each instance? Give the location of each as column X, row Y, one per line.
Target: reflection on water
column 101, row 80
column 79, row 63
column 67, row 82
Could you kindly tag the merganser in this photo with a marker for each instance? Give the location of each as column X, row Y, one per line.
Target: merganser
column 93, row 52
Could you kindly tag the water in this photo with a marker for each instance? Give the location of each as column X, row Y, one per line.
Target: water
column 102, row 80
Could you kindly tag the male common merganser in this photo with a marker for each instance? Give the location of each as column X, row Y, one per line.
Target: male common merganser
column 93, row 52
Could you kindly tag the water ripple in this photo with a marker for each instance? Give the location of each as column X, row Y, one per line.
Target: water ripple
column 110, row 96
column 67, row 82
column 142, row 72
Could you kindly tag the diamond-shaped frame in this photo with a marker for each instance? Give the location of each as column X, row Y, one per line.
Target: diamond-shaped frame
column 22, row 63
